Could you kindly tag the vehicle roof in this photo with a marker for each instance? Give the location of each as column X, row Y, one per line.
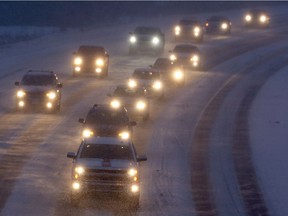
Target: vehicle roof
column 40, row 72
column 106, row 140
column 218, row 18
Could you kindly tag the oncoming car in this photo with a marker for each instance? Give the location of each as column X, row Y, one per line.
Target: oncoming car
column 104, row 120
column 256, row 18
column 189, row 29
column 218, row 25
column 91, row 60
column 186, row 55
column 39, row 90
column 133, row 99
column 146, row 39
column 150, row 79
column 106, row 164
column 172, row 73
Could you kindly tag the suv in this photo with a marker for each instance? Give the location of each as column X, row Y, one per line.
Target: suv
column 105, row 120
column 149, row 39
column 106, row 164
column 189, row 29
column 149, row 78
column 91, row 59
column 39, row 89
column 218, row 25
column 186, row 55
column 133, row 99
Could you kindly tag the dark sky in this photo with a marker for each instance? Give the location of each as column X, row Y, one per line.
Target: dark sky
column 77, row 14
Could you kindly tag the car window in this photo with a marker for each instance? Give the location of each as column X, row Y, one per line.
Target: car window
column 106, row 151
column 87, row 50
column 146, row 30
column 38, row 80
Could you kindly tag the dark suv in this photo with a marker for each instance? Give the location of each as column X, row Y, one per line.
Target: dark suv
column 91, row 60
column 146, row 39
column 39, row 89
column 106, row 165
column 189, row 29
column 105, row 120
column 218, row 25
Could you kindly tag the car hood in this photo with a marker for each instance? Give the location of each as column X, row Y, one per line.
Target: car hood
column 36, row 88
column 93, row 163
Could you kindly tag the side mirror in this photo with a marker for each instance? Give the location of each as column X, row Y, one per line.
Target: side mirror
column 71, row 155
column 132, row 123
column 17, row 83
column 81, row 120
column 141, row 158
column 59, row 85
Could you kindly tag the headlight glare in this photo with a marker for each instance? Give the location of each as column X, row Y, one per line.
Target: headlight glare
column 248, row 17
column 21, row 94
column 133, row 39
column 79, row 170
column 51, row 95
column 141, row 105
column 224, row 26
column 115, row 104
column 263, row 18
column 173, row 57
column 87, row 133
column 124, row 135
column 100, row 62
column 132, row 172
column 78, row 61
column 132, row 83
column 157, row 85
column 155, row 40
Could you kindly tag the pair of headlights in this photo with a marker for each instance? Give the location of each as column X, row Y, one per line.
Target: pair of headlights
column 196, row 30
column 99, row 61
column 262, row 18
column 157, row 85
column 86, row 133
column 194, row 58
column 51, row 95
column 155, row 40
column 140, row 105
column 80, row 170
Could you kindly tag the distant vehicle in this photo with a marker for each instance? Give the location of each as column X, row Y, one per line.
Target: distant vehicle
column 186, row 55
column 150, row 79
column 146, row 39
column 172, row 73
column 105, row 120
column 39, row 90
column 106, row 164
column 91, row 60
column 218, row 25
column 133, row 99
column 189, row 29
column 256, row 18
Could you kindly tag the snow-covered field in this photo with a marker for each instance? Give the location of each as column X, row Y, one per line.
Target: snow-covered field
column 40, row 176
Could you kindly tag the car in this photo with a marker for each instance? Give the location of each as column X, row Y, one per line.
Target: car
column 172, row 73
column 133, row 99
column 105, row 120
column 218, row 25
column 256, row 18
column 186, row 55
column 150, row 79
column 106, row 165
column 189, row 29
column 146, row 39
column 39, row 90
column 91, row 60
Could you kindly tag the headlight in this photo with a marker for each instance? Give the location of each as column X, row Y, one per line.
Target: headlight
column 195, row 58
column 263, row 18
column 173, row 57
column 79, row 170
column 140, row 105
column 135, row 188
column 224, row 26
column 115, row 104
column 76, row 185
column 132, row 83
column 99, row 62
column 155, row 40
column 133, row 39
column 51, row 95
column 87, row 133
column 197, row 30
column 248, row 17
column 78, row 61
column 124, row 135
column 157, row 85
column 177, row 30
column 178, row 75
column 20, row 94
column 132, row 172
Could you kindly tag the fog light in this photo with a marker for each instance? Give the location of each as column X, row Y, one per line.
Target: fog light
column 76, row 185
column 77, row 69
column 98, row 70
column 21, row 103
column 49, row 105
